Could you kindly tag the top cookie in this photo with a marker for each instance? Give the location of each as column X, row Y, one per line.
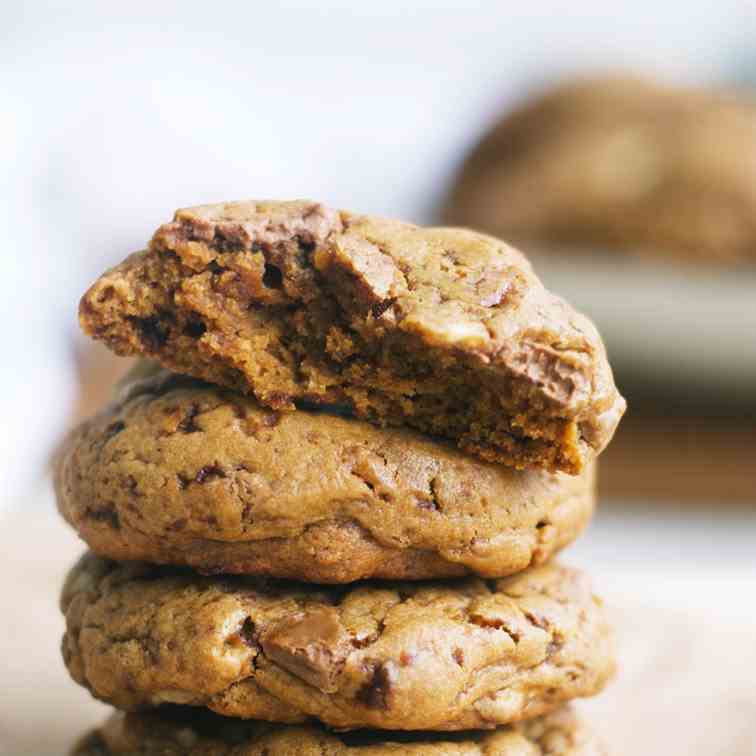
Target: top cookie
column 444, row 330
column 619, row 162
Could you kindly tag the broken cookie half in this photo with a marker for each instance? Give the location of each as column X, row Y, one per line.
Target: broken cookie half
column 444, row 330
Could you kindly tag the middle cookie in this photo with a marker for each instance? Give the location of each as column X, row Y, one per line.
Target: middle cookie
column 180, row 472
column 456, row 655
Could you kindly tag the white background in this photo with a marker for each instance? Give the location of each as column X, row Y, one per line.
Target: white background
column 113, row 114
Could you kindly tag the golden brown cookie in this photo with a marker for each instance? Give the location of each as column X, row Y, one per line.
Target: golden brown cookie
column 469, row 654
column 185, row 732
column 444, row 330
column 619, row 162
column 178, row 471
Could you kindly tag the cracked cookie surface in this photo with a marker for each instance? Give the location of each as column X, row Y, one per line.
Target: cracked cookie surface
column 469, row 654
column 444, row 330
column 182, row 732
column 176, row 471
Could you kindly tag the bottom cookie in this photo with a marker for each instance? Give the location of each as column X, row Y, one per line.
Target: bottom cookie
column 177, row 731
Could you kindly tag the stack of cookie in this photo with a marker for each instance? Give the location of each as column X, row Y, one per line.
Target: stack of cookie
column 332, row 522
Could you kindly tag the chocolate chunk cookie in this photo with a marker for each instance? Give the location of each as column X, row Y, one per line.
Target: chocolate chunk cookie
column 184, row 732
column 444, row 330
column 178, row 471
column 619, row 162
column 470, row 654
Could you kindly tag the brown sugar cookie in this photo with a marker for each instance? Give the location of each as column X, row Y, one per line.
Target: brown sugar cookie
column 179, row 471
column 618, row 163
column 468, row 654
column 185, row 732
column 444, row 330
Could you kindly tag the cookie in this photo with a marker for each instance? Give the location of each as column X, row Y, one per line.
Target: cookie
column 444, row 330
column 182, row 732
column 469, row 654
column 178, row 471
column 619, row 163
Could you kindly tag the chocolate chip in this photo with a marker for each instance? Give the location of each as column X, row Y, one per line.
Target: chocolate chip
column 307, row 246
column 105, row 515
column 364, row 641
column 272, row 277
column 152, row 332
column 381, row 307
column 376, row 693
column 312, row 646
column 432, row 503
column 209, row 472
column 195, row 329
column 248, row 634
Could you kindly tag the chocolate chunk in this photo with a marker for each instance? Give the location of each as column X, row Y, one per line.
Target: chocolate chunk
column 376, row 694
column 311, row 645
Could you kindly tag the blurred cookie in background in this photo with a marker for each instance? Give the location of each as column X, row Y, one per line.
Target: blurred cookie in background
column 619, row 162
